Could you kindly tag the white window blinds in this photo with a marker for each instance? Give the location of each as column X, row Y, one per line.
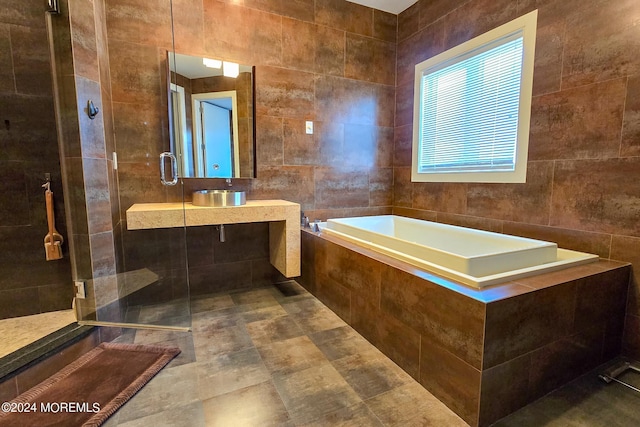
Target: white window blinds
column 469, row 110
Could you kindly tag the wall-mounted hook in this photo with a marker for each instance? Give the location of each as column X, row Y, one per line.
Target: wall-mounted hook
column 92, row 110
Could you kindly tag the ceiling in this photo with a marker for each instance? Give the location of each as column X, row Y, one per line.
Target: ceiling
column 393, row 6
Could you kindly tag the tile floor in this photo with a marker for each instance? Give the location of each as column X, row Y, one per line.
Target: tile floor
column 18, row 332
column 276, row 356
column 585, row 402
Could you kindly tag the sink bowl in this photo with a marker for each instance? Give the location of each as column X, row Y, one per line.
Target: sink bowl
column 219, row 198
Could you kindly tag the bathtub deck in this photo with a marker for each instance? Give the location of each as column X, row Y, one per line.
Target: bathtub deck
column 474, row 257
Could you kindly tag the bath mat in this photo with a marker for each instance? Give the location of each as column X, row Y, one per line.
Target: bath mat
column 89, row 390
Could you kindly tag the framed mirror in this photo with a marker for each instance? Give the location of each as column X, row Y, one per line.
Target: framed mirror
column 211, row 117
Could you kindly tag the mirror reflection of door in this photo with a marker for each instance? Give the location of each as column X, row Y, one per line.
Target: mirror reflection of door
column 215, row 128
column 181, row 138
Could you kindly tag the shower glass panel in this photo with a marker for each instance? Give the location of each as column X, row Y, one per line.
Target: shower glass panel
column 138, row 272
column 35, row 293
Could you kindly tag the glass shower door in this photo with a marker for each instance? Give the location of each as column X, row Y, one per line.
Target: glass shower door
column 133, row 270
column 151, row 289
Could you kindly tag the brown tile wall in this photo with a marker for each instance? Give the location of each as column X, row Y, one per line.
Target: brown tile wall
column 241, row 261
column 29, row 145
column 82, row 74
column 583, row 169
column 464, row 344
column 313, row 62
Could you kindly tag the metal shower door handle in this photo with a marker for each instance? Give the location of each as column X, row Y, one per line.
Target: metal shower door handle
column 174, row 169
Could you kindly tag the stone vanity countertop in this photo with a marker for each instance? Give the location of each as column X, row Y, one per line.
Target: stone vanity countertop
column 166, row 215
column 283, row 218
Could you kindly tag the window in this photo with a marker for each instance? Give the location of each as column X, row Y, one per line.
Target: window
column 472, row 108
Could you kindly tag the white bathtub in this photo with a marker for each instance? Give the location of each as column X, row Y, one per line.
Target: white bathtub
column 473, row 257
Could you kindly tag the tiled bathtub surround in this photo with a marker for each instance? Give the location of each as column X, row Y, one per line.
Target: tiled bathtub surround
column 484, row 353
column 583, row 170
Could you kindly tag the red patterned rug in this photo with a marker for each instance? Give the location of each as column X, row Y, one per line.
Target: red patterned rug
column 89, row 390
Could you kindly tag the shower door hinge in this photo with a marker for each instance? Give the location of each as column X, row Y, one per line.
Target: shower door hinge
column 53, row 6
column 81, row 292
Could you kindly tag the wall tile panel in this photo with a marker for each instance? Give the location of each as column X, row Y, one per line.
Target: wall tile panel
column 298, row 45
column 244, row 35
column 31, row 60
column 385, row 26
column 442, row 317
column 601, row 43
column 437, row 196
column 346, row 16
column 451, row 380
column 337, row 189
column 581, row 123
column 505, row 319
column 593, row 243
column 631, row 123
column 529, row 202
column 329, row 49
column 505, row 389
column 139, row 22
column 597, row 195
column 370, row 60
column 474, row 18
column 84, row 46
column 417, row 48
column 7, row 78
column 282, row 92
column 188, row 27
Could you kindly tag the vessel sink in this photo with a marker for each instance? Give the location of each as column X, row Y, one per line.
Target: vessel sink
column 219, row 198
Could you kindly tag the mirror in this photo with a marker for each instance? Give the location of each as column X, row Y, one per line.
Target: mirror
column 211, row 117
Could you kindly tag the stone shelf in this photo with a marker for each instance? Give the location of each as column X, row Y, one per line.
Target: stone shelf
column 283, row 218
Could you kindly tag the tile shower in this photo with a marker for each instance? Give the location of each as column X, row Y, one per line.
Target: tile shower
column 28, row 143
column 35, row 295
